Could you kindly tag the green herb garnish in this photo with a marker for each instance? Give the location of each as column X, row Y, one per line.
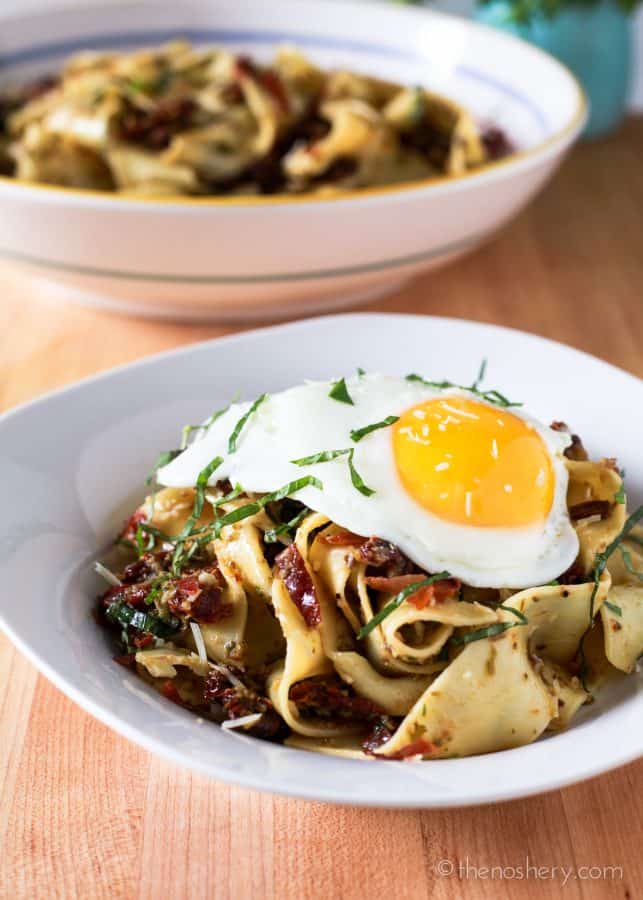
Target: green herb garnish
column 516, row 612
column 156, row 532
column 600, row 564
column 328, row 455
column 487, row 632
column 398, row 600
column 122, row 614
column 232, row 443
column 629, row 565
column 481, row 373
column 358, row 433
column 361, row 371
column 491, row 396
column 619, row 496
column 321, row 457
column 157, row 85
column 272, row 535
column 163, row 459
column 188, row 429
column 143, row 544
column 199, row 500
column 251, row 509
column 339, row 392
column 156, row 589
column 356, row 479
column 226, row 498
column 613, row 608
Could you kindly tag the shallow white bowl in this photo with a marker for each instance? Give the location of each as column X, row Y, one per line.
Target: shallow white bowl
column 66, row 491
column 237, row 258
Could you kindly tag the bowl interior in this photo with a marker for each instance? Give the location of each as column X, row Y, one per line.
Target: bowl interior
column 500, row 79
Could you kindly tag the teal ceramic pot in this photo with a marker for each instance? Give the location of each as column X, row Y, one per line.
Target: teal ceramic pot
column 594, row 42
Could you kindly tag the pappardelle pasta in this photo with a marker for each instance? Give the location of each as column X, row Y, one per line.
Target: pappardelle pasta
column 179, row 120
column 380, row 567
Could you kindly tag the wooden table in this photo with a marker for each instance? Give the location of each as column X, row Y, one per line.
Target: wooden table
column 84, row 813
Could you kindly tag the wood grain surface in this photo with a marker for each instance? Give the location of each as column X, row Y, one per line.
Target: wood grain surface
column 84, row 813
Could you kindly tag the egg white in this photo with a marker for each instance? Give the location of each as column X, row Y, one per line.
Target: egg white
column 304, row 420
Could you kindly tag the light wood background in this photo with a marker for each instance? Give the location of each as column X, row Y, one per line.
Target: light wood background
column 84, row 813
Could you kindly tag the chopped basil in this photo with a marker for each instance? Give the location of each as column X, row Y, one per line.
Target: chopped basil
column 339, row 392
column 157, row 85
column 126, row 616
column 491, row 396
column 163, row 459
column 613, row 608
column 226, row 498
column 156, row 532
column 361, row 371
column 156, row 589
column 251, row 509
column 488, row 631
column 232, row 443
column 481, row 373
column 328, row 455
column 629, row 565
column 356, row 479
column 441, row 385
column 398, row 600
column 358, row 433
column 600, row 563
column 199, row 500
column 516, row 612
column 143, row 545
column 619, row 496
column 188, row 429
column 321, row 457
column 273, row 534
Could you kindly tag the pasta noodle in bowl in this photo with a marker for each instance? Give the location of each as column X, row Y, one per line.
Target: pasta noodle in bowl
column 232, row 246
column 367, row 607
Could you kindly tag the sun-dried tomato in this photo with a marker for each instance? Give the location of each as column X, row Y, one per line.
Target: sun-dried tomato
column 297, row 581
column 576, row 450
column 202, row 602
column 380, row 554
column 132, row 594
column 421, row 747
column 589, row 508
column 380, row 734
column 328, row 697
column 129, row 528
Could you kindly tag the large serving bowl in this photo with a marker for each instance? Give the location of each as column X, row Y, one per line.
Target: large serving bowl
column 277, row 256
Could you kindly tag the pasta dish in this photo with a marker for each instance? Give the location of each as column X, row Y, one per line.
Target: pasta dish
column 178, row 120
column 380, row 566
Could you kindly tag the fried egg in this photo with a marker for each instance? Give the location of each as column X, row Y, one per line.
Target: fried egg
column 457, row 482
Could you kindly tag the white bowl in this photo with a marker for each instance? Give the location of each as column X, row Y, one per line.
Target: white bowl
column 67, row 490
column 234, row 258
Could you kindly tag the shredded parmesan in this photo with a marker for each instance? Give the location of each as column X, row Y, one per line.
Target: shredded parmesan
column 200, row 643
column 234, row 681
column 241, row 722
column 109, row 577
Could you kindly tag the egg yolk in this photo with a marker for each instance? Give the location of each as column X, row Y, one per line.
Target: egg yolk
column 474, row 464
